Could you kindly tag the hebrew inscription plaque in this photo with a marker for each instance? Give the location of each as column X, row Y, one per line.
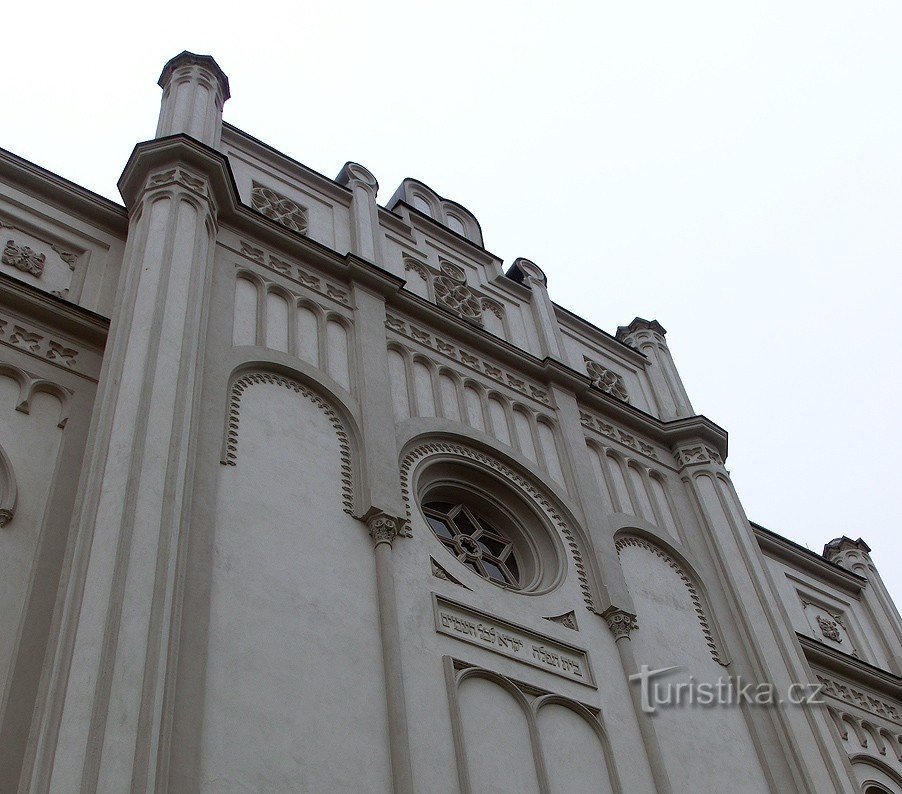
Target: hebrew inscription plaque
column 524, row 645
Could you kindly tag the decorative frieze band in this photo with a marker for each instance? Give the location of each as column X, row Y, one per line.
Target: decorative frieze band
column 858, row 698
column 294, row 273
column 179, row 176
column 697, row 455
column 38, row 345
column 613, row 432
column 460, row 355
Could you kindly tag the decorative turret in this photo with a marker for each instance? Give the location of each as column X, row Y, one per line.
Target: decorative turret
column 194, row 91
column 648, row 337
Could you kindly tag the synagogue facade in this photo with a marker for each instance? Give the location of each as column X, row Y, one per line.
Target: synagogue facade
column 304, row 490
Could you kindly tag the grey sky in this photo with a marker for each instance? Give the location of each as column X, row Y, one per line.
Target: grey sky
column 731, row 169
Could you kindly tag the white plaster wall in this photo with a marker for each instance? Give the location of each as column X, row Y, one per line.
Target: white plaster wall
column 705, row 749
column 31, row 442
column 294, row 695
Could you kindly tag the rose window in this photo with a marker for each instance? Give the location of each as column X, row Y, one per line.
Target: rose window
column 475, row 542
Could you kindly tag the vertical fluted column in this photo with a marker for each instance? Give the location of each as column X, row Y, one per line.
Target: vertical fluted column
column 531, row 275
column 194, row 91
column 767, row 638
column 365, row 240
column 854, row 555
column 102, row 726
column 648, row 338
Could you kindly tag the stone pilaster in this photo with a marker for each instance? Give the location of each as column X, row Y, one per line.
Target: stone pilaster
column 102, row 726
column 648, row 338
column 365, row 235
column 531, row 275
column 194, row 92
column 768, row 645
column 854, row 555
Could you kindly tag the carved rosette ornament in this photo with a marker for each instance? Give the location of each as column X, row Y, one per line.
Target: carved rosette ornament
column 452, row 293
column 23, row 258
column 620, row 622
column 385, row 528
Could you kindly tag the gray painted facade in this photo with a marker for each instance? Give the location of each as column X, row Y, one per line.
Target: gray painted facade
column 222, row 409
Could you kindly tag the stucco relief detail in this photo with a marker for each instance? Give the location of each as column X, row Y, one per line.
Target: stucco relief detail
column 179, row 176
column 617, row 434
column 23, row 258
column 460, row 355
column 631, row 540
column 244, row 382
column 697, row 455
column 829, row 628
column 440, row 573
column 866, row 732
column 279, row 208
column 294, row 273
column 453, row 294
column 440, row 447
column 606, row 380
column 31, row 384
column 567, row 620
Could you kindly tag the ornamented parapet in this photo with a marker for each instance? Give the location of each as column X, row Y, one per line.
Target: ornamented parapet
column 385, row 528
column 620, row 622
column 608, row 381
column 280, row 208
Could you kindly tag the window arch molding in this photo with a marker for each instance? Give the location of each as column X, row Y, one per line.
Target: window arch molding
column 449, row 459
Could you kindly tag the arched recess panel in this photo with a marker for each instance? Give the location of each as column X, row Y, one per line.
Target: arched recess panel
column 29, row 450
column 450, row 399
column 307, row 335
column 573, row 752
column 277, row 319
column 497, row 745
column 293, row 606
column 397, row 370
column 422, row 382
column 338, row 353
column 672, row 632
column 244, row 326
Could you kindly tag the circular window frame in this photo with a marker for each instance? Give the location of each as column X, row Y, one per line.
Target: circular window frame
column 539, row 550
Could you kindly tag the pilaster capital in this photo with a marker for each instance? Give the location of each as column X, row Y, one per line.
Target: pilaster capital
column 620, row 622
column 640, row 330
column 850, row 554
column 384, row 528
column 696, row 454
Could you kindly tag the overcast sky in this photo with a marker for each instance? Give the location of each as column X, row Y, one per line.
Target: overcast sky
column 732, row 169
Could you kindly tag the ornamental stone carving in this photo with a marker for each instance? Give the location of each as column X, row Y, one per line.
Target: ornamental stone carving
column 829, row 628
column 453, row 294
column 385, row 528
column 620, row 622
column 280, row 208
column 641, row 331
column 608, row 381
column 697, row 455
column 23, row 258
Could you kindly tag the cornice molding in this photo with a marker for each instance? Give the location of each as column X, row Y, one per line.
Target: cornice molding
column 806, row 560
column 61, row 192
column 54, row 312
column 852, row 669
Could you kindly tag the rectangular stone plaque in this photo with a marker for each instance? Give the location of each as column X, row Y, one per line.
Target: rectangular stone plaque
column 516, row 642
